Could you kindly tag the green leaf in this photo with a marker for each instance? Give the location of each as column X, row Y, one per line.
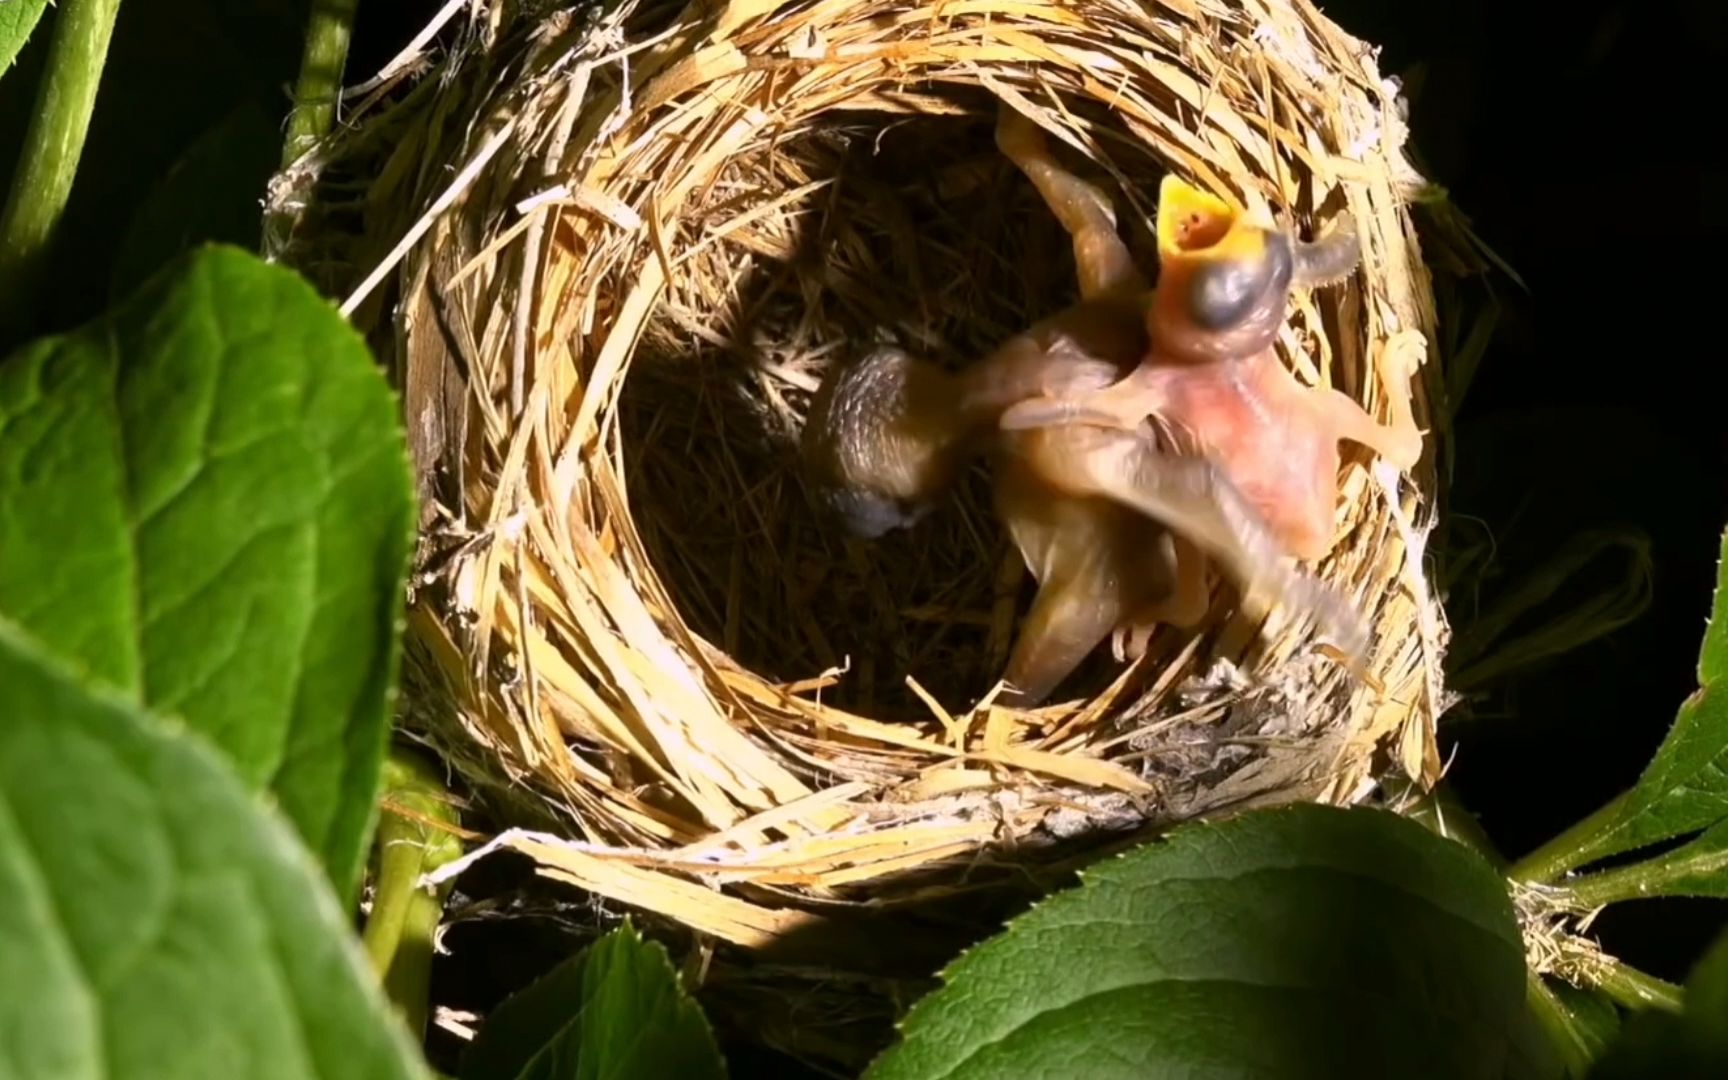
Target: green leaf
column 1692, row 1044
column 1487, row 650
column 1685, row 786
column 17, row 19
column 1590, row 1015
column 210, row 194
column 1301, row 942
column 205, row 502
column 1707, row 993
column 615, row 1009
column 155, row 920
column 1578, row 1024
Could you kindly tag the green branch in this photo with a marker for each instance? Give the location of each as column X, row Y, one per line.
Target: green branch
column 1653, row 877
column 316, row 95
column 404, row 918
column 53, row 144
column 1570, row 849
column 320, row 84
column 1635, row 990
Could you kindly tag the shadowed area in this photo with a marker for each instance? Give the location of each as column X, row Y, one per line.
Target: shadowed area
column 920, row 233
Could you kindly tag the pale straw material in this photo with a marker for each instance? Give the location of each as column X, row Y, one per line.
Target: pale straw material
column 621, row 249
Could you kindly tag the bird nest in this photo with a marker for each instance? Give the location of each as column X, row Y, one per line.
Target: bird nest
column 611, row 252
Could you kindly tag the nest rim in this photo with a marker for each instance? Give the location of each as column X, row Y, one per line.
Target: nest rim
column 797, row 801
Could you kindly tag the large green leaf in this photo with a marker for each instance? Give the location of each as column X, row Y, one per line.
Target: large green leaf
column 1579, row 1024
column 205, row 502
column 17, row 19
column 1685, row 786
column 615, row 1009
column 155, row 920
column 1300, row 942
column 1692, row 1045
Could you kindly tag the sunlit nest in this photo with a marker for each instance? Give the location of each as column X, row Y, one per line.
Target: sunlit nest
column 644, row 236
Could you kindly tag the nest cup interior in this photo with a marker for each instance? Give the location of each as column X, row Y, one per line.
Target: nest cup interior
column 909, row 229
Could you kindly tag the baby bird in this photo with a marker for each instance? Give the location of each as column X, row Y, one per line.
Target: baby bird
column 1211, row 371
column 1115, row 521
column 1103, row 569
column 887, row 437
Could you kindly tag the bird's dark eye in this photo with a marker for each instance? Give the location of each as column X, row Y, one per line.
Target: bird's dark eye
column 1220, row 295
column 1224, row 295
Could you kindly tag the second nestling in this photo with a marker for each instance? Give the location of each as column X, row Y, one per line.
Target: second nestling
column 1134, row 436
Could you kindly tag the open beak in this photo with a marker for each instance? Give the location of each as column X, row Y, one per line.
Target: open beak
column 1227, row 270
column 1194, row 227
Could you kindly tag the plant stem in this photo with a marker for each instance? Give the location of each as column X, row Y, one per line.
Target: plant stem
column 316, row 93
column 408, row 981
column 53, row 144
column 1634, row 989
column 1642, row 880
column 1568, row 850
column 320, row 85
column 1557, row 1020
column 404, row 918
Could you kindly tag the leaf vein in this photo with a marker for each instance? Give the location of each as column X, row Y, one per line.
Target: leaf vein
column 30, row 864
column 128, row 508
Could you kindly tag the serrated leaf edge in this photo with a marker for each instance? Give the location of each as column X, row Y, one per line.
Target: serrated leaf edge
column 1182, row 832
column 279, row 833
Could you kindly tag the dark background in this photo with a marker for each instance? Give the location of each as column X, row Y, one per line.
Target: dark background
column 1584, row 140
column 1578, row 139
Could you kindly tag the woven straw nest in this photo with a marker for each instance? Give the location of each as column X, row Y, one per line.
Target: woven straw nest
column 611, row 255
